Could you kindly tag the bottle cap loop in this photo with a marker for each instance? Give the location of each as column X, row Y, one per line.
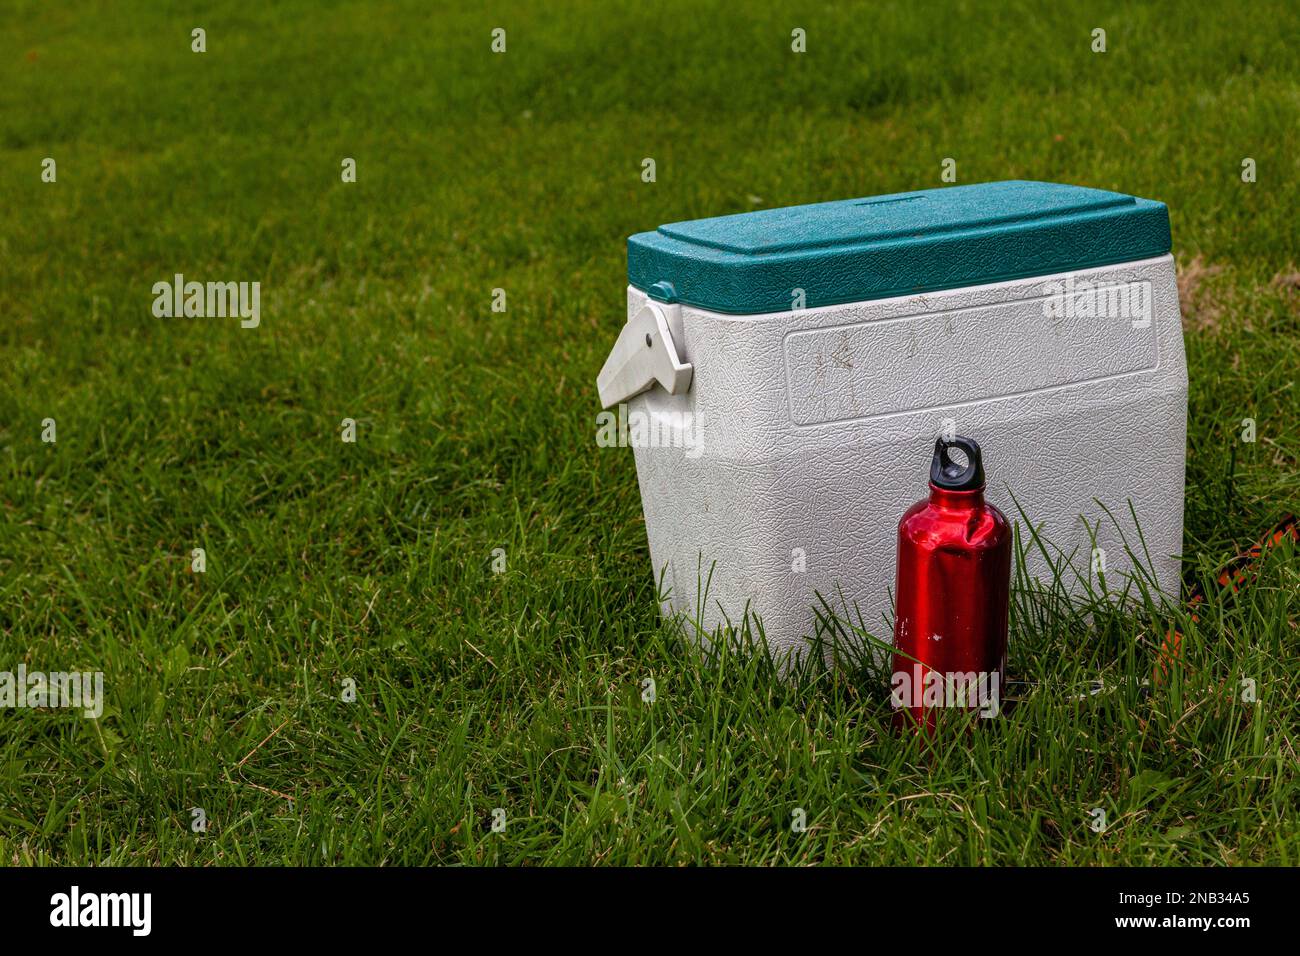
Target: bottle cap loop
column 948, row 474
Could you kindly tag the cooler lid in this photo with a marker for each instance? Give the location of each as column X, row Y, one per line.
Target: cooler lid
column 875, row 248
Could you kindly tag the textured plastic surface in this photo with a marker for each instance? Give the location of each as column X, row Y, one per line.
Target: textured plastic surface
column 863, row 249
column 811, row 431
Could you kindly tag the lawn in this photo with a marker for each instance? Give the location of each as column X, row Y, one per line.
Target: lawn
column 333, row 565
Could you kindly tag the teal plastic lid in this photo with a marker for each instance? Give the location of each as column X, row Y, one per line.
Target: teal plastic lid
column 860, row 249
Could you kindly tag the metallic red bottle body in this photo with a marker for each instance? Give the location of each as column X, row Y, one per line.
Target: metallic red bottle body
column 954, row 575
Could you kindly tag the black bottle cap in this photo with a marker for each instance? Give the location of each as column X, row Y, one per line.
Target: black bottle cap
column 946, row 473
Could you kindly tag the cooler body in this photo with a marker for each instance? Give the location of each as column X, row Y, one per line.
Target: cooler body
column 774, row 472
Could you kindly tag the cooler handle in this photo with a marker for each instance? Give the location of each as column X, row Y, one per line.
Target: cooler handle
column 644, row 353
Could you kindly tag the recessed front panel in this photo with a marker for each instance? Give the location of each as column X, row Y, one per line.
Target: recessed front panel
column 1068, row 336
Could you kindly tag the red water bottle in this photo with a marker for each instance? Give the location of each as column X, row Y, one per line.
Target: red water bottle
column 954, row 575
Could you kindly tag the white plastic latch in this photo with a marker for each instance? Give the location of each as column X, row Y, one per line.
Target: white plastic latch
column 645, row 353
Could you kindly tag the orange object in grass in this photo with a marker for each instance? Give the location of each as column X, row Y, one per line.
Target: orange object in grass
column 1239, row 571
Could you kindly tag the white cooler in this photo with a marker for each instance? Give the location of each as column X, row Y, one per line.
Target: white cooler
column 783, row 374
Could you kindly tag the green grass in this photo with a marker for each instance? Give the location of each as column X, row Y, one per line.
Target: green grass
column 371, row 561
